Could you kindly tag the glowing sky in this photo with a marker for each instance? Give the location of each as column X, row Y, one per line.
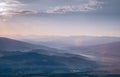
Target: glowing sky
column 60, row 17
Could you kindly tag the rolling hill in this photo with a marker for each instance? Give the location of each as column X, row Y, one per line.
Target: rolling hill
column 34, row 63
column 13, row 61
column 108, row 49
column 107, row 55
column 62, row 42
column 8, row 44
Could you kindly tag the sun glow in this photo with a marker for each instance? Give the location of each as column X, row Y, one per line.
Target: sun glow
column 3, row 8
column 8, row 7
column 2, row 4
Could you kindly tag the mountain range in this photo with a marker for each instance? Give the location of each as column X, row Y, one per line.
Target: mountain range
column 107, row 55
column 25, row 58
column 22, row 58
column 62, row 42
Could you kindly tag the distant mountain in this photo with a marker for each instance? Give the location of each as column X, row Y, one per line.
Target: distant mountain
column 107, row 55
column 63, row 42
column 8, row 44
column 108, row 49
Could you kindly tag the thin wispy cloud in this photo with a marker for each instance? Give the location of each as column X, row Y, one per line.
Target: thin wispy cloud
column 10, row 8
column 91, row 5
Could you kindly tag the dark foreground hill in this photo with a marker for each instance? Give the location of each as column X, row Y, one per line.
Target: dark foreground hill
column 36, row 63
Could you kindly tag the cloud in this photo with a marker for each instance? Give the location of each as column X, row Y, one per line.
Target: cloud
column 15, row 12
column 91, row 5
column 12, row 13
column 14, row 7
column 6, row 6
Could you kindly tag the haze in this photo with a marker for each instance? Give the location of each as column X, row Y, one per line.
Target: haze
column 60, row 17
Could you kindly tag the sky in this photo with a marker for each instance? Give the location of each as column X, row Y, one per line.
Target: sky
column 60, row 17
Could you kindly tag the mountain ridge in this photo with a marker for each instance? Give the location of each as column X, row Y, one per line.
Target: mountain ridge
column 9, row 44
column 41, row 61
